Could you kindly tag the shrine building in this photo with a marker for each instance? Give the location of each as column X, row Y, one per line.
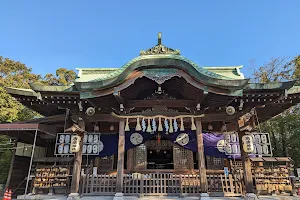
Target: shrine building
column 158, row 125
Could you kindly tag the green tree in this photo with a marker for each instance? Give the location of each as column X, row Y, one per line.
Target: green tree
column 63, row 77
column 284, row 129
column 13, row 74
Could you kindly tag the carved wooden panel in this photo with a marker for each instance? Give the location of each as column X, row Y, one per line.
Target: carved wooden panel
column 214, row 162
column 158, row 146
column 182, row 158
column 140, row 157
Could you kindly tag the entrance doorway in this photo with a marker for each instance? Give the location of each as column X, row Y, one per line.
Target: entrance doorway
column 159, row 154
column 162, row 159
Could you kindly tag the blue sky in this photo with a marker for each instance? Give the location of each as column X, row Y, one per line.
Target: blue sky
column 46, row 35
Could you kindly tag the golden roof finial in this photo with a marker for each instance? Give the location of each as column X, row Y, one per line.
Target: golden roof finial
column 159, row 37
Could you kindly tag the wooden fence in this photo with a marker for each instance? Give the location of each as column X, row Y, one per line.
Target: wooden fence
column 162, row 184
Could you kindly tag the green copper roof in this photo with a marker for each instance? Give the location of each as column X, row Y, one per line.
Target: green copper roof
column 22, row 92
column 232, row 72
column 104, row 79
column 108, row 73
column 270, row 86
column 294, row 90
column 47, row 88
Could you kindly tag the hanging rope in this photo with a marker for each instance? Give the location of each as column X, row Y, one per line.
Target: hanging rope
column 170, row 123
column 156, row 116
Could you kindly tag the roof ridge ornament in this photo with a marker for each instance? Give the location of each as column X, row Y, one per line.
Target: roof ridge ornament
column 159, row 49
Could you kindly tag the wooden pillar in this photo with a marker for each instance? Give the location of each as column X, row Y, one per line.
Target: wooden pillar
column 246, row 166
column 130, row 160
column 190, row 159
column 121, row 152
column 201, row 157
column 77, row 162
column 8, row 185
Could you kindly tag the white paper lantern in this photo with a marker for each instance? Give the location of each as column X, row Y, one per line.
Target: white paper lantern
column 228, row 149
column 90, row 138
column 227, row 138
column 66, row 149
column 96, row 138
column 61, row 139
column 233, row 138
column 257, row 139
column 84, row 147
column 265, row 149
column 248, row 145
column 89, row 149
column 234, row 149
column 60, row 149
column 67, row 138
column 259, row 149
column 95, row 149
column 264, row 139
column 75, row 144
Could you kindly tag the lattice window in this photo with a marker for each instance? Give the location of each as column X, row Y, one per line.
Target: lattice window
column 214, row 162
column 140, row 157
column 159, row 146
column 182, row 158
column 105, row 163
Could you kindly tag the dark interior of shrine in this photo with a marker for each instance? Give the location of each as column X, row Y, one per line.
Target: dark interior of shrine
column 160, row 159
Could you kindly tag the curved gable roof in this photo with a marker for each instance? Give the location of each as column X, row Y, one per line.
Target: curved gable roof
column 117, row 76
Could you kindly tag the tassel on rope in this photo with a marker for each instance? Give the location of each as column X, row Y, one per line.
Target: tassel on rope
column 138, row 125
column 149, row 130
column 171, row 130
column 144, row 125
column 193, row 126
column 127, row 125
column 158, row 138
column 154, row 127
column 175, row 125
column 166, row 126
column 160, row 128
column 181, row 124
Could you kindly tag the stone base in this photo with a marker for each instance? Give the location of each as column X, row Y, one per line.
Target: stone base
column 119, row 196
column 73, row 196
column 250, row 196
column 204, row 196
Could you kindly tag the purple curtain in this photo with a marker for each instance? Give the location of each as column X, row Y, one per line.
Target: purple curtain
column 210, row 141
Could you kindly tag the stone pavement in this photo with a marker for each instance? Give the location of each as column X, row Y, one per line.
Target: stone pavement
column 54, row 197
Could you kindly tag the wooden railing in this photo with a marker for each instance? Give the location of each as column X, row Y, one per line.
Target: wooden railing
column 162, row 184
column 100, row 184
